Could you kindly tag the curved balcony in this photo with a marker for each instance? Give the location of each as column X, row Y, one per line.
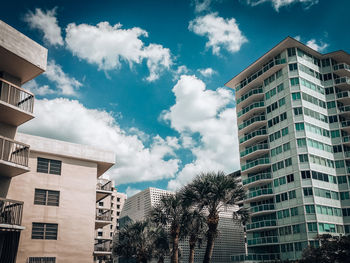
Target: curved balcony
column 268, row 257
column 346, row 140
column 266, row 224
column 343, row 97
column 263, row 178
column 249, row 97
column 263, row 193
column 252, row 123
column 13, row 157
column 345, row 125
column 260, row 75
column 262, row 241
column 252, row 109
column 256, row 165
column 344, row 110
column 342, row 82
column 254, row 151
column 253, row 137
column 262, row 209
column 16, row 104
column 342, row 69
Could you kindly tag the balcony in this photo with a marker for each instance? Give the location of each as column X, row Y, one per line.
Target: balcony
column 104, row 188
column 261, row 74
column 252, row 109
column 247, row 98
column 256, row 165
column 344, row 110
column 16, row 104
column 103, row 247
column 262, row 209
column 252, row 123
column 262, row 241
column 266, row 224
column 262, row 178
column 256, row 258
column 346, row 140
column 11, row 214
column 254, row 151
column 253, row 137
column 342, row 69
column 262, row 193
column 343, row 96
column 342, row 82
column 346, row 125
column 13, row 157
column 103, row 217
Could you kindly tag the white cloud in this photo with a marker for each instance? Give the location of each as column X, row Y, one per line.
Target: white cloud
column 277, row 4
column 207, row 72
column 131, row 191
column 221, row 33
column 201, row 5
column 66, row 85
column 318, row 47
column 297, row 38
column 47, row 23
column 34, row 87
column 69, row 120
column 207, row 115
column 107, row 46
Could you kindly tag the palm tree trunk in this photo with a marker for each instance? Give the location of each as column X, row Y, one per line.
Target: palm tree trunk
column 175, row 254
column 211, row 235
column 192, row 243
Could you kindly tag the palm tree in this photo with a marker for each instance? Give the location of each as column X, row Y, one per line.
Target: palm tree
column 136, row 241
column 213, row 191
column 161, row 243
column 169, row 213
column 194, row 228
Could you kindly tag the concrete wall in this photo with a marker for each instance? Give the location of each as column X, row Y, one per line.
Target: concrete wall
column 75, row 214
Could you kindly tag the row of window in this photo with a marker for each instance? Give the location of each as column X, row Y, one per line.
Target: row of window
column 320, row 160
column 41, row 260
column 309, row 71
column 279, row 149
column 276, row 105
column 289, row 212
column 278, row 134
column 301, row 126
column 298, row 95
column 277, row 119
column 273, row 77
column 293, row 229
column 282, row 164
column 318, row 176
column 283, row 180
column 302, row 142
column 285, row 196
column 269, row 94
column 311, row 113
column 325, row 193
column 308, row 84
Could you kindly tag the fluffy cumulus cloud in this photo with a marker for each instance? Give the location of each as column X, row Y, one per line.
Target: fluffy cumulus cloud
column 69, row 120
column 107, row 46
column 318, row 47
column 221, row 33
column 201, row 5
column 277, row 4
column 207, row 72
column 35, row 88
column 206, row 122
column 130, row 191
column 47, row 23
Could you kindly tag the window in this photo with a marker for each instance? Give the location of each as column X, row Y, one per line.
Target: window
column 46, row 197
column 294, row 81
column 100, row 234
column 118, row 213
column 305, row 174
column 292, row 194
column 285, row 131
column 118, row 206
column 307, row 191
column 293, row 67
column 118, row 199
column 303, row 158
column 49, row 166
column 291, row 52
column 290, row 178
column 44, row 231
column 298, row 111
column 312, row 227
column 296, row 96
column 310, row 209
column 294, row 211
column 41, row 260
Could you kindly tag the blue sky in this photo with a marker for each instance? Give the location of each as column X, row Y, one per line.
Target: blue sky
column 145, row 79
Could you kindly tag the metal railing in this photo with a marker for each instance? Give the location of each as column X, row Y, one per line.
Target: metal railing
column 262, row 240
column 254, row 163
column 250, row 93
column 343, row 94
column 11, row 212
column 251, row 135
column 258, row 104
column 265, row 223
column 250, row 121
column 105, row 185
column 259, row 192
column 13, row 151
column 257, row 177
column 256, row 257
column 342, row 80
column 264, row 207
column 103, row 245
column 341, row 66
column 103, row 214
column 16, row 96
column 257, row 147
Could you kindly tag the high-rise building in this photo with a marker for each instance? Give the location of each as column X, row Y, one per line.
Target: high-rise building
column 230, row 239
column 293, row 116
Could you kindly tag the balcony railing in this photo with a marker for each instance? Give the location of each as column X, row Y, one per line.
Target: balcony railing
column 346, row 139
column 251, row 121
column 260, row 208
column 260, row 72
column 250, row 93
column 13, row 151
column 341, row 66
column 342, row 80
column 344, row 109
column 343, row 94
column 103, row 214
column 345, row 124
column 10, row 212
column 259, row 192
column 103, row 246
column 254, row 148
column 262, row 176
column 255, row 163
column 256, row 257
column 262, row 240
column 258, row 104
column 252, row 135
column 266, row 223
column 104, row 185
column 16, row 96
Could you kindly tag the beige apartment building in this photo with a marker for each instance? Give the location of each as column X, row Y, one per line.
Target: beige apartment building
column 49, row 189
